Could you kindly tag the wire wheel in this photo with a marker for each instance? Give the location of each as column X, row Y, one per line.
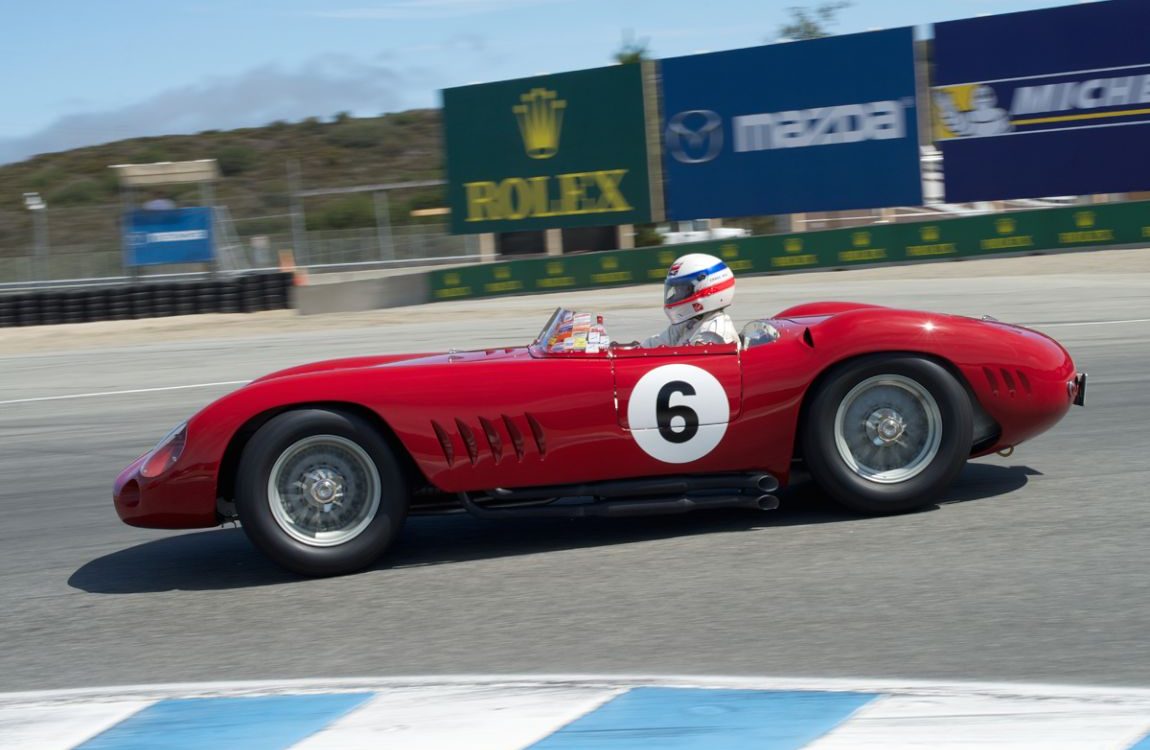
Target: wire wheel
column 888, row 429
column 324, row 490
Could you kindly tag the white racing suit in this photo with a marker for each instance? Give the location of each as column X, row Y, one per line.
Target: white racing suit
column 690, row 331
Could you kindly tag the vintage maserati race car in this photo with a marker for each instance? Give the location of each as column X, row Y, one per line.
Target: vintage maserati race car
column 322, row 463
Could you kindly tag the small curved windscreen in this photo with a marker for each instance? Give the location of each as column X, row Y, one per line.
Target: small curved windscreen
column 757, row 333
column 568, row 331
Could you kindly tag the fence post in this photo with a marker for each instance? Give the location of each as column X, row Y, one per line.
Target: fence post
column 383, row 225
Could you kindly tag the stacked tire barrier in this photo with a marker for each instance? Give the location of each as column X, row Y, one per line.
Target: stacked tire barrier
column 238, row 294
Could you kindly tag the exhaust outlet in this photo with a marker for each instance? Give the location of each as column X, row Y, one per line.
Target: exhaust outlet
column 767, row 502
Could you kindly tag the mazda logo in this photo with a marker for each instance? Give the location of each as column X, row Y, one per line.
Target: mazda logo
column 695, row 136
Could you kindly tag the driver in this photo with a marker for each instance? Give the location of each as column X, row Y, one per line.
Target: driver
column 698, row 290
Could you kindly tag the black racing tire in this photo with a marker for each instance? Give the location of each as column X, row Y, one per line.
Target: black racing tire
column 898, row 474
column 307, row 448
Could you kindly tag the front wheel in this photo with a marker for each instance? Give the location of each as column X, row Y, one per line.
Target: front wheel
column 887, row 434
column 320, row 493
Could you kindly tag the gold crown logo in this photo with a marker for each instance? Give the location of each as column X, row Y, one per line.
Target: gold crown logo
column 540, row 117
column 666, row 257
column 930, row 234
column 792, row 244
column 730, row 251
column 860, row 239
column 502, row 272
column 1004, row 226
column 554, row 268
column 609, row 264
column 451, row 279
column 1084, row 219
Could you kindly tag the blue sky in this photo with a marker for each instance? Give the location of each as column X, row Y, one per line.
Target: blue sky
column 78, row 72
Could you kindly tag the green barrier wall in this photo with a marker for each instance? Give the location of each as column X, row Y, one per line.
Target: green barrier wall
column 1085, row 227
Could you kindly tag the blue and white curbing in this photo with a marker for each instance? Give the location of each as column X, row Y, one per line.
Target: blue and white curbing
column 565, row 713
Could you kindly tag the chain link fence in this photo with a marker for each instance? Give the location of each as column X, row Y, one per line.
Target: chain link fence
column 83, row 243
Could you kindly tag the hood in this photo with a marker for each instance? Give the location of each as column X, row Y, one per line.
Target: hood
column 467, row 357
column 346, row 363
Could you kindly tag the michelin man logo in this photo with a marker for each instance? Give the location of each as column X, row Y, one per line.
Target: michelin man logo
column 969, row 111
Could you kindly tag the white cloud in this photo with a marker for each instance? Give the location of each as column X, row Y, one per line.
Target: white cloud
column 322, row 86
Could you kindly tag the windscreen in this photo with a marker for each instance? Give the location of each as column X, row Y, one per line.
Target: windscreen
column 568, row 331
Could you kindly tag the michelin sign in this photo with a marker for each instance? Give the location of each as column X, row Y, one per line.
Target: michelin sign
column 806, row 126
column 1043, row 103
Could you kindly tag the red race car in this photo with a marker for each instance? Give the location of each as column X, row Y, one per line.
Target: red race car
column 321, row 463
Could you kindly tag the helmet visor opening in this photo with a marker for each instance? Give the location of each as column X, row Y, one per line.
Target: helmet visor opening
column 678, row 290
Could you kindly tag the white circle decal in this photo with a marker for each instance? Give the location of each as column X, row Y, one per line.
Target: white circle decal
column 678, row 413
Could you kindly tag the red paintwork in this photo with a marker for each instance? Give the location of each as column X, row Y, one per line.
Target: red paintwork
column 579, row 403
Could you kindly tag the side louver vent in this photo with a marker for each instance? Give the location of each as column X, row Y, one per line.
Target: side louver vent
column 493, row 439
column 1025, row 381
column 516, row 436
column 1009, row 380
column 537, row 433
column 444, row 442
column 468, row 441
column 1013, row 381
column 992, row 379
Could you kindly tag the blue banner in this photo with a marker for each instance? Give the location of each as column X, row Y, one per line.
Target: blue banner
column 178, row 235
column 819, row 125
column 1044, row 103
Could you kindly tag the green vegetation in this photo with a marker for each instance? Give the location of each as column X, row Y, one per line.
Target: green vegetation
column 83, row 196
column 812, row 23
column 632, row 49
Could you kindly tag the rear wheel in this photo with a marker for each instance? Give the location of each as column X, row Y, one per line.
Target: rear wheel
column 320, row 493
column 887, row 434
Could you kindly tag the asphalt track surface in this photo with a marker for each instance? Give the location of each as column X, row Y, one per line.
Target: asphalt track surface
column 1034, row 568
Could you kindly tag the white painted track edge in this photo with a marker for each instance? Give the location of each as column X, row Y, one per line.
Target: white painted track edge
column 370, row 684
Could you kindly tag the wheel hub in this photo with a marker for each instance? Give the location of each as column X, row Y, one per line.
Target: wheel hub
column 324, row 490
column 323, row 487
column 885, row 426
column 888, row 428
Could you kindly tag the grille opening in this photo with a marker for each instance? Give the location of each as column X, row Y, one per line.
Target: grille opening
column 130, row 494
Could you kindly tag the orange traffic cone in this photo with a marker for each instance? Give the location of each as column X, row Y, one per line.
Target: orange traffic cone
column 287, row 265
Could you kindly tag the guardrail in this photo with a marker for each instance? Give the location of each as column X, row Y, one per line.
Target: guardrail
column 147, row 299
column 1084, row 227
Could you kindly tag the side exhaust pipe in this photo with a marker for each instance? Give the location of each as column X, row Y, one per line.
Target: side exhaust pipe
column 623, row 508
column 651, row 486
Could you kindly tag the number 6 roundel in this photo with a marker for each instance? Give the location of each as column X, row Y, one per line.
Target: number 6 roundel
column 678, row 413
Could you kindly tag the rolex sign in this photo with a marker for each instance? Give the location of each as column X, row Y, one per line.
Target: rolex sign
column 563, row 150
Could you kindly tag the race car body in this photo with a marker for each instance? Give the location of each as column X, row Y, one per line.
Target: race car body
column 883, row 405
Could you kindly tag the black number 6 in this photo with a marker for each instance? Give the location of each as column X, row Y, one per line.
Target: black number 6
column 664, row 412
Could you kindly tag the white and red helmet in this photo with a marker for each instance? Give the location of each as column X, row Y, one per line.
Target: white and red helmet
column 697, row 284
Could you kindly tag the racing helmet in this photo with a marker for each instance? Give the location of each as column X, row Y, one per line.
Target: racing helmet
column 697, row 284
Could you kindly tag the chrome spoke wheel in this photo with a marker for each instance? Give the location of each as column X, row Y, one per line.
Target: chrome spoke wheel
column 888, row 429
column 324, row 490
